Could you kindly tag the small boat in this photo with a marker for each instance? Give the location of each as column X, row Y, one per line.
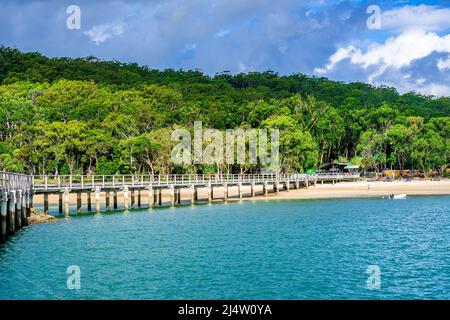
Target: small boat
column 397, row 196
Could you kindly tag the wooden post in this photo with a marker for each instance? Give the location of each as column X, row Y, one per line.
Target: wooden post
column 115, row 199
column 209, row 192
column 132, row 197
column 125, row 198
column 24, row 208
column 79, row 202
column 253, row 189
column 107, row 200
column 29, row 202
column 225, row 192
column 192, row 188
column 297, row 185
column 172, row 195
column 150, row 196
column 195, row 194
column 3, row 212
column 265, row 191
column 306, row 183
column 275, row 187
column 66, row 201
column 18, row 209
column 139, row 198
column 178, row 190
column 288, row 185
column 11, row 211
column 155, row 197
column 89, row 201
column 160, row 197
column 60, row 202
column 97, row 199
column 240, row 189
column 175, row 192
column 46, row 202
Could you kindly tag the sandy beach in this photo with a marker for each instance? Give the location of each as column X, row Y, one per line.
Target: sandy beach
column 367, row 189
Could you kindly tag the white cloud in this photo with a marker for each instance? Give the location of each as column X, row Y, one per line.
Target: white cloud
column 222, row 33
column 429, row 18
column 392, row 61
column 396, row 52
column 341, row 54
column 433, row 89
column 103, row 32
column 443, row 64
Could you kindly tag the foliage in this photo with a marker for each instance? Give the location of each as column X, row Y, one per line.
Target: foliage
column 85, row 115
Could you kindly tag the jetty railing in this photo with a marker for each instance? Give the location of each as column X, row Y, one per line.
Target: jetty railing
column 15, row 181
column 119, row 181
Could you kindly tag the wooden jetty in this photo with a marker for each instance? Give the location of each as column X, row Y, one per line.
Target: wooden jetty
column 17, row 191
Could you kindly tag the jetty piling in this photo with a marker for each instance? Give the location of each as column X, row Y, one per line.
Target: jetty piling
column 139, row 198
column 132, row 197
column 79, row 202
column 171, row 195
column 89, row 201
column 60, row 202
column 16, row 191
column 125, row 198
column 18, row 209
column 4, row 217
column 107, row 200
column 240, row 189
column 210, row 191
column 192, row 188
column 24, row 219
column 150, row 197
column 225, row 192
column 12, row 211
column 115, row 199
column 46, row 202
column 66, row 201
column 97, row 199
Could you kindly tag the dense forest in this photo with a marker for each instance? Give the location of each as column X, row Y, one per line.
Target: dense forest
column 62, row 115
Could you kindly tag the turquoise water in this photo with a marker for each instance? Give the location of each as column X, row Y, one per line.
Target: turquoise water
column 310, row 249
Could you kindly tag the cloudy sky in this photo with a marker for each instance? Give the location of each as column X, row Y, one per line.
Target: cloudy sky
column 406, row 46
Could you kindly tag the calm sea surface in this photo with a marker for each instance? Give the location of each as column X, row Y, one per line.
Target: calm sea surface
column 310, row 249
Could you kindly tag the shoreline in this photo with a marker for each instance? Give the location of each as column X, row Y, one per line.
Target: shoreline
column 362, row 189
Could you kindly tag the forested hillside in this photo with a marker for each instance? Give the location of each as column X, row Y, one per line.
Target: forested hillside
column 88, row 116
